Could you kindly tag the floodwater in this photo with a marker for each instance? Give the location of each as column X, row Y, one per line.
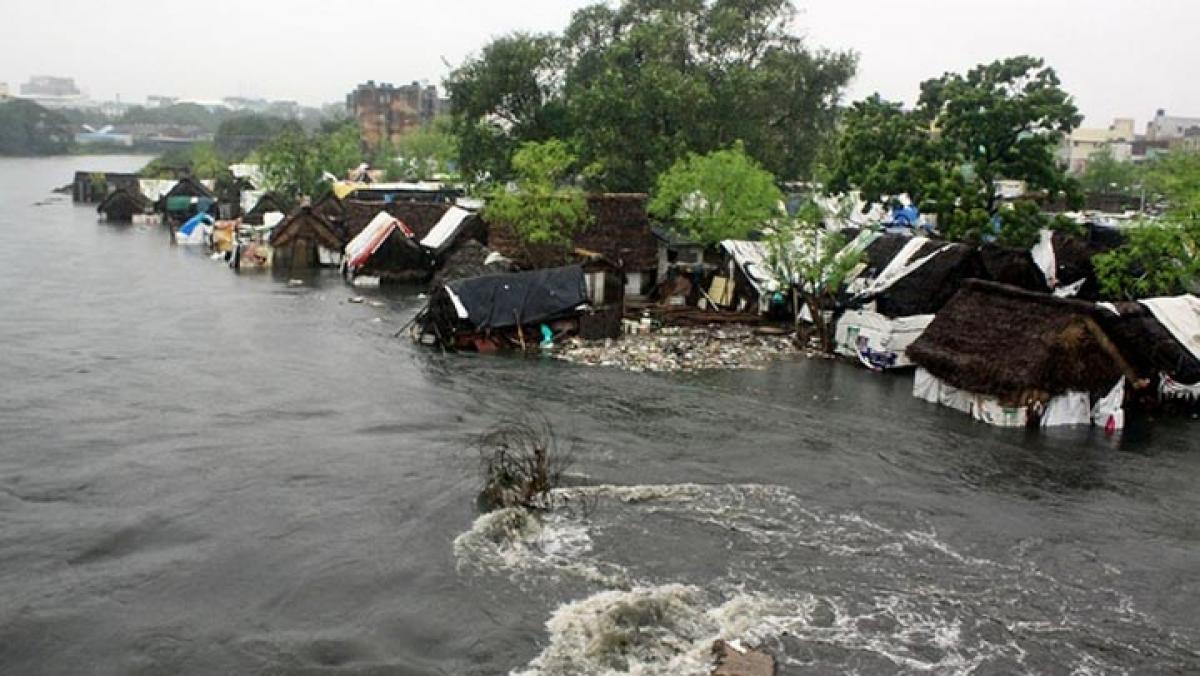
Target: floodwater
column 202, row 472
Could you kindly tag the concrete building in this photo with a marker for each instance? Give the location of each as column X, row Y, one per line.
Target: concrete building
column 4, row 91
column 1166, row 128
column 385, row 112
column 54, row 92
column 161, row 101
column 1079, row 147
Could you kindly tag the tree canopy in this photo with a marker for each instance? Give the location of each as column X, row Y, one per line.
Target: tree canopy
column 636, row 87
column 722, row 195
column 540, row 208
column 29, row 129
column 295, row 163
column 240, row 135
column 421, row 153
column 1002, row 120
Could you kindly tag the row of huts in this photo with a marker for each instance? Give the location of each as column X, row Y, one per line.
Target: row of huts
column 1008, row 336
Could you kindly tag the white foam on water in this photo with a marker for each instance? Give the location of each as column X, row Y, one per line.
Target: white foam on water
column 835, row 591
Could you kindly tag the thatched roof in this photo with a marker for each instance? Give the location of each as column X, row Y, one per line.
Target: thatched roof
column 1073, row 262
column 1012, row 266
column 1150, row 347
column 304, row 222
column 464, row 261
column 929, row 287
column 123, row 202
column 189, row 186
column 420, row 217
column 620, row 231
column 330, row 207
column 268, row 202
column 1011, row 343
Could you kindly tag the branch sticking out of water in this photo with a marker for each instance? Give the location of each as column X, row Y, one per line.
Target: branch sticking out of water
column 521, row 462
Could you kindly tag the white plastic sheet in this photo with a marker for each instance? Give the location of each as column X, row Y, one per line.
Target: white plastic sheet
column 1071, row 408
column 1043, row 256
column 861, row 330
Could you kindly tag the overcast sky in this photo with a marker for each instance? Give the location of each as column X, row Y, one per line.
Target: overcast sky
column 1118, row 57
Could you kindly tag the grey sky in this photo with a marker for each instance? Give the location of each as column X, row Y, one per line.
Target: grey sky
column 1119, row 57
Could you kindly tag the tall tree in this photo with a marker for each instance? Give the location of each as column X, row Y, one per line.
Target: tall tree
column 722, row 195
column 29, row 129
column 638, row 86
column 1002, row 120
column 541, row 208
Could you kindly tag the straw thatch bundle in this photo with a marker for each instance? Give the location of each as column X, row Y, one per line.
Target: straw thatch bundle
column 1014, row 344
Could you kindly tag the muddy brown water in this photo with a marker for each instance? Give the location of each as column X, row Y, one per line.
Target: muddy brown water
column 204, row 472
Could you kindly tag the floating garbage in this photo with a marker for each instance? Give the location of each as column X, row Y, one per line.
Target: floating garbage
column 366, row 282
column 682, row 349
column 295, row 282
column 355, row 299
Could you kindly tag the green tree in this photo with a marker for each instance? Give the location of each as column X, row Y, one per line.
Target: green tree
column 29, row 129
column 1106, row 175
column 296, row 164
column 814, row 262
column 885, row 151
column 180, row 114
column 636, row 87
column 1156, row 259
column 1002, row 120
column 1176, row 178
column 722, row 195
column 240, row 135
column 540, row 208
column 508, row 95
column 421, row 154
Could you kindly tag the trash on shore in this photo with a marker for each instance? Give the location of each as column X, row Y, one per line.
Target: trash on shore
column 682, row 349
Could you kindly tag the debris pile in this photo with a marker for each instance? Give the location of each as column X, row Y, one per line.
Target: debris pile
column 682, row 349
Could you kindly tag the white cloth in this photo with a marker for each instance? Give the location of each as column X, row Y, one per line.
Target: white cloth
column 1071, row 408
column 1181, row 316
column 1109, row 411
column 1043, row 256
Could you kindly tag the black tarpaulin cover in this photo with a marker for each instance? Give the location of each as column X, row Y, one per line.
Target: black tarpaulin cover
column 498, row 301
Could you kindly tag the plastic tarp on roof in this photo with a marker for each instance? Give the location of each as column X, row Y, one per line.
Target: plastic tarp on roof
column 155, row 188
column 901, row 266
column 250, row 198
column 751, row 257
column 532, row 297
column 366, row 243
column 1181, row 316
column 446, row 231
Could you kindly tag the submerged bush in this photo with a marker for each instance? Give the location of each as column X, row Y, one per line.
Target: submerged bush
column 521, row 463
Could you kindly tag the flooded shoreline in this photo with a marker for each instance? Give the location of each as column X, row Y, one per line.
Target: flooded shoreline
column 205, row 472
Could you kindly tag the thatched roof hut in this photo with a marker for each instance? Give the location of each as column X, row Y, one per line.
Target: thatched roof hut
column 269, row 202
column 1012, row 266
column 298, row 241
column 1152, row 349
column 122, row 203
column 926, row 288
column 1019, row 346
column 420, row 217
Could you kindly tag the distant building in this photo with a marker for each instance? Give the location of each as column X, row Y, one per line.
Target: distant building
column 1083, row 143
column 53, row 92
column 4, row 91
column 1166, row 128
column 161, row 101
column 385, row 112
